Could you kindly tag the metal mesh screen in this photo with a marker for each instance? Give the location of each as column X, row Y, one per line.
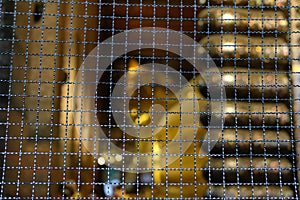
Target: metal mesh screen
column 149, row 99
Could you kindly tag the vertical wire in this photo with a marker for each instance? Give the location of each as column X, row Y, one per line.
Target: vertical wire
column 167, row 106
column 51, row 136
column 85, row 16
column 236, row 100
column 195, row 88
column 291, row 101
column 181, row 126
column 68, row 96
column 124, row 140
column 139, row 99
column 207, row 94
column 249, row 97
column 262, row 99
column 221, row 66
column 110, row 123
column 276, row 99
column 152, row 102
column 38, row 109
column 23, row 104
column 95, row 154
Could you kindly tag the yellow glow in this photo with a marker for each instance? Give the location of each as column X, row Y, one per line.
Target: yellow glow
column 76, row 195
column 133, row 113
column 258, row 49
column 144, row 119
column 133, row 65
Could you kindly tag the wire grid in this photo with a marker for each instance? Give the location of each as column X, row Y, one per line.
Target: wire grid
column 44, row 43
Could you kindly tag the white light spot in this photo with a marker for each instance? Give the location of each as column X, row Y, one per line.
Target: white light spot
column 228, row 47
column 228, row 16
column 101, row 161
column 228, row 78
column 230, row 110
